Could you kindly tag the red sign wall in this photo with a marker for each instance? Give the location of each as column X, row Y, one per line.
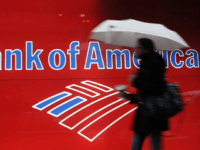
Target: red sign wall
column 57, row 86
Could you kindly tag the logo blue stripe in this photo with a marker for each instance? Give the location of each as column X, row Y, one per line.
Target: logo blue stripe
column 65, row 106
column 51, row 100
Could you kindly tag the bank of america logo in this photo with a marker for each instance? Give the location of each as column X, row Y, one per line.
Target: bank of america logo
column 92, row 106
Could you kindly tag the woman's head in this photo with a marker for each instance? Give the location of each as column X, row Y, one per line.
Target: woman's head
column 144, row 45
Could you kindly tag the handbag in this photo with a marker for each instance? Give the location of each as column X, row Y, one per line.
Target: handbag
column 166, row 105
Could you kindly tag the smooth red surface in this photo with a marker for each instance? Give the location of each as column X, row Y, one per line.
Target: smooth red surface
column 52, row 24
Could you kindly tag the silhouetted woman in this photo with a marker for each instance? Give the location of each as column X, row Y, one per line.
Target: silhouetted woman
column 149, row 81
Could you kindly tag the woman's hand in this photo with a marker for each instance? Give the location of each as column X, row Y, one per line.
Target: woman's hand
column 124, row 95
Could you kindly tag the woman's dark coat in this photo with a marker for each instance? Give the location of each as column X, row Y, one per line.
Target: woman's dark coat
column 149, row 81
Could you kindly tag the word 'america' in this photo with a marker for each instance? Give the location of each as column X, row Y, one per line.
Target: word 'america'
column 94, row 57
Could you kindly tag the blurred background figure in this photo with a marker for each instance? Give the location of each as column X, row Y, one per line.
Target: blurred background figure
column 150, row 82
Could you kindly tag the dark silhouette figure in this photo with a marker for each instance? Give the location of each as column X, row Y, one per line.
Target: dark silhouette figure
column 149, row 81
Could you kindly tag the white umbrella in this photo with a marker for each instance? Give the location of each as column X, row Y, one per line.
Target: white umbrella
column 127, row 32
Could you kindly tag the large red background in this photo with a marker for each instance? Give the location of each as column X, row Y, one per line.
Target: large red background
column 54, row 24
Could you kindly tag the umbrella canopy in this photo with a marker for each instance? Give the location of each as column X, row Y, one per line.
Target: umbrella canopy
column 127, row 32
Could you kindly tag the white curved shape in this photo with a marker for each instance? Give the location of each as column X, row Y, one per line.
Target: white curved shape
column 92, row 96
column 105, row 127
column 61, row 122
column 93, row 114
column 87, row 82
column 102, row 116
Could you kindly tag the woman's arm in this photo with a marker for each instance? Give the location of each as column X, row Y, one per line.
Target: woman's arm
column 131, row 97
